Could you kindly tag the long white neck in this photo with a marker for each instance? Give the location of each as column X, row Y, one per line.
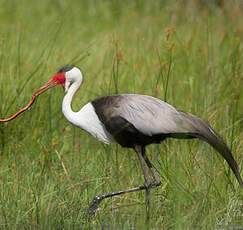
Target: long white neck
column 67, row 103
column 86, row 118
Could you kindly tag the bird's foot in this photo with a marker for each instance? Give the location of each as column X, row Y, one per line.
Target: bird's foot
column 150, row 185
column 94, row 205
column 155, row 184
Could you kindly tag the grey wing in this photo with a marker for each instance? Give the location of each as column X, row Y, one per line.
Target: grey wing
column 152, row 116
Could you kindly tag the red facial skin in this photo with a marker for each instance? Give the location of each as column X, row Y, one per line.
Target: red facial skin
column 60, row 79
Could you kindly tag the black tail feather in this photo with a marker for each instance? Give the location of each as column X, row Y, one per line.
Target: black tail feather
column 217, row 143
column 204, row 132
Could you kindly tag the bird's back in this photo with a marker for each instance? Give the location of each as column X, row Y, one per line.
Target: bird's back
column 140, row 119
column 147, row 114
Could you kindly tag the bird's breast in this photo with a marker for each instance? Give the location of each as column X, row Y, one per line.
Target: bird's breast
column 88, row 120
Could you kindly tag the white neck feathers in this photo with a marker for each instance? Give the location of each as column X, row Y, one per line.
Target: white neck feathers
column 86, row 118
column 67, row 103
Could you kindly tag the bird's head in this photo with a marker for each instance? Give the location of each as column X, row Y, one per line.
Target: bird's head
column 71, row 75
column 66, row 76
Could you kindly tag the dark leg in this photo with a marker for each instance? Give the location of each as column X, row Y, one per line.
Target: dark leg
column 148, row 184
column 140, row 152
column 97, row 199
column 156, row 181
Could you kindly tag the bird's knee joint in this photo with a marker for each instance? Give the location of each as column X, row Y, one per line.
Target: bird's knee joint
column 156, row 184
column 148, row 185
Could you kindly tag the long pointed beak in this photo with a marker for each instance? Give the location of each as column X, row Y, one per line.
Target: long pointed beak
column 53, row 82
column 45, row 87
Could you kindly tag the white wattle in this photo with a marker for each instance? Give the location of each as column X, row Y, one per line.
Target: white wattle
column 86, row 118
column 89, row 121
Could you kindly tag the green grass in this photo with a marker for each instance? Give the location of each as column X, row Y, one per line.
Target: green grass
column 187, row 54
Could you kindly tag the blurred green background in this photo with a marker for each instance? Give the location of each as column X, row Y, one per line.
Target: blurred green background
column 188, row 53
